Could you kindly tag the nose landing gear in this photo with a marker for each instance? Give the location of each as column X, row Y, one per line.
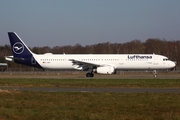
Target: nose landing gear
column 155, row 73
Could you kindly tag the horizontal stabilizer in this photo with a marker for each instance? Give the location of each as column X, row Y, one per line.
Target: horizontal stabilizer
column 11, row 58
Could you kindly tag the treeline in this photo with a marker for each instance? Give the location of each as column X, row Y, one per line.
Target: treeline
column 171, row 49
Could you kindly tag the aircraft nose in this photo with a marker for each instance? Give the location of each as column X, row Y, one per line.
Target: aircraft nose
column 172, row 64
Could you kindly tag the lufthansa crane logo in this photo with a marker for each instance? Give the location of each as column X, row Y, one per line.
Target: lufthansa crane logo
column 18, row 48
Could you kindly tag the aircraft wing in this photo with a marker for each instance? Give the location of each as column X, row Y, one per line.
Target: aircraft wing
column 84, row 65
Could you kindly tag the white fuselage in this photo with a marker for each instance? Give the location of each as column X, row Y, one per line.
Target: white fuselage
column 118, row 61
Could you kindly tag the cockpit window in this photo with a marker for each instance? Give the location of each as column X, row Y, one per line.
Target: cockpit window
column 165, row 59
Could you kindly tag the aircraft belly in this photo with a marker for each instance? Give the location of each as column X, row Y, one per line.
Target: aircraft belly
column 56, row 65
column 134, row 65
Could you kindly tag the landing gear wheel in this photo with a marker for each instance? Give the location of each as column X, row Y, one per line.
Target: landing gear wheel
column 89, row 75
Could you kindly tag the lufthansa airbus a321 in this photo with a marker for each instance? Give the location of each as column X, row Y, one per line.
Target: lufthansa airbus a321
column 92, row 63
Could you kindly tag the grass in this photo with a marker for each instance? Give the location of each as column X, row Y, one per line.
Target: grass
column 50, row 82
column 21, row 105
column 89, row 106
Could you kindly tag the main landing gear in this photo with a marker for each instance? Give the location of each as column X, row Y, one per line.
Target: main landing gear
column 89, row 74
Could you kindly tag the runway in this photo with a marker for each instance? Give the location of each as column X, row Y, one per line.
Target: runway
column 117, row 90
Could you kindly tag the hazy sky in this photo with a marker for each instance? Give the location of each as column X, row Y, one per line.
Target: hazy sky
column 68, row 22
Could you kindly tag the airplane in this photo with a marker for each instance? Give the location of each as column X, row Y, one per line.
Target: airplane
column 92, row 63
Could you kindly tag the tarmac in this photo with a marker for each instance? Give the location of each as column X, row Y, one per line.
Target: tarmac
column 116, row 90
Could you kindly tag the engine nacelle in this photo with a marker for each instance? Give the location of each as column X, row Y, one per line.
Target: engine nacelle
column 105, row 70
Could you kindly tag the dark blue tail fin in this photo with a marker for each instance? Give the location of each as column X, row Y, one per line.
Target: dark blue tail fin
column 17, row 45
column 21, row 53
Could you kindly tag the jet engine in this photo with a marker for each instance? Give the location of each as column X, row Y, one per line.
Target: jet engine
column 106, row 70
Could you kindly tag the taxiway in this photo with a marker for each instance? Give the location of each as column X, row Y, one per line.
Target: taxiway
column 117, row 90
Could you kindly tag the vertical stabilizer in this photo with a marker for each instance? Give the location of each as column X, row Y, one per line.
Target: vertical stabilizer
column 21, row 53
column 18, row 47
